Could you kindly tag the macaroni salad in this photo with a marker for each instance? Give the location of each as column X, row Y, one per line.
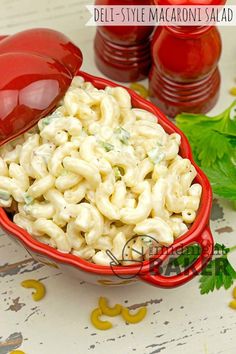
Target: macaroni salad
column 97, row 172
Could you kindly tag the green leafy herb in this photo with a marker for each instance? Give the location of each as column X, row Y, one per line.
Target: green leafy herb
column 213, row 142
column 221, row 249
column 223, row 177
column 188, row 256
column 219, row 272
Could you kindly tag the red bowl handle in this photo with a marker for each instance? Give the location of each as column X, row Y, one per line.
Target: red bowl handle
column 205, row 240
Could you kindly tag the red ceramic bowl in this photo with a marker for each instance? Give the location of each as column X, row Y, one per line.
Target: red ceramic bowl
column 148, row 271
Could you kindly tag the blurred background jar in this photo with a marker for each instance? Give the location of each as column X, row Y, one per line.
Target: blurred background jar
column 123, row 52
column 184, row 76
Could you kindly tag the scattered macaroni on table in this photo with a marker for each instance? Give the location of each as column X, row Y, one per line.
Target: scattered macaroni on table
column 97, row 172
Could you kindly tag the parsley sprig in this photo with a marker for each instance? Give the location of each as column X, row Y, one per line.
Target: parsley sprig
column 213, row 142
column 217, row 274
column 188, row 256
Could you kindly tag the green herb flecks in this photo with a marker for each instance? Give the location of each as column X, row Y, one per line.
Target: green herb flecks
column 108, row 147
column 28, row 199
column 155, row 155
column 123, row 135
column 117, row 173
column 4, row 195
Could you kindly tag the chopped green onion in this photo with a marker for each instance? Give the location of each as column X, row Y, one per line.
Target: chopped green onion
column 46, row 121
column 108, row 147
column 123, row 135
column 155, row 155
column 117, row 172
column 27, row 209
column 28, row 199
column 4, row 195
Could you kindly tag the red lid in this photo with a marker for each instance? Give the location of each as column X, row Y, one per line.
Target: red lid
column 36, row 69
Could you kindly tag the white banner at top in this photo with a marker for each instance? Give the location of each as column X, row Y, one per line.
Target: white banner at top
column 162, row 15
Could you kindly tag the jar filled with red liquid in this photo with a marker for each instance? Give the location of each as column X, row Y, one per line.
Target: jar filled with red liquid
column 184, row 76
column 123, row 52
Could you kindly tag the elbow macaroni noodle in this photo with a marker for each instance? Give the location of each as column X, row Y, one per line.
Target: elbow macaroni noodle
column 97, row 172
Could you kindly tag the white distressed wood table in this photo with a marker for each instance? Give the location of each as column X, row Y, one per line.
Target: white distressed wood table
column 178, row 321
